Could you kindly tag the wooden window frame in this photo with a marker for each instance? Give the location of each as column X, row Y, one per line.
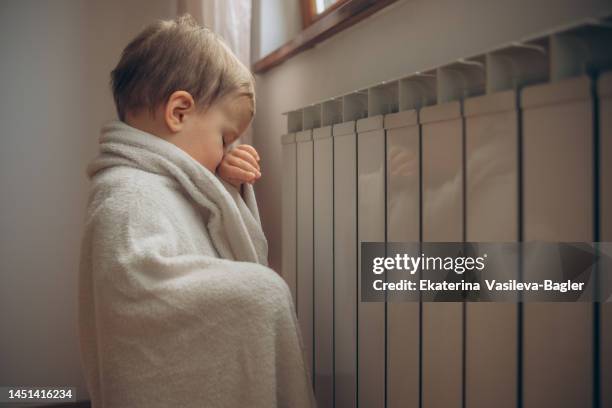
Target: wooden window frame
column 336, row 18
column 309, row 14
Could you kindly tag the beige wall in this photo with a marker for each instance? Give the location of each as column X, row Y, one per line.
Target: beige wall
column 54, row 72
column 409, row 36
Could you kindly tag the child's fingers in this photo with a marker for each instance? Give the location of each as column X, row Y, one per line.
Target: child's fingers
column 231, row 172
column 236, row 161
column 244, row 155
column 249, row 149
column 236, row 183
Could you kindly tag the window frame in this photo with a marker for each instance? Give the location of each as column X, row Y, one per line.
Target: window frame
column 336, row 18
column 309, row 14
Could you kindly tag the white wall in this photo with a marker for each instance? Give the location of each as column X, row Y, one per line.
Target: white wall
column 54, row 73
column 409, row 36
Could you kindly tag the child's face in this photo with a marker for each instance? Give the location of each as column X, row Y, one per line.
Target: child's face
column 206, row 136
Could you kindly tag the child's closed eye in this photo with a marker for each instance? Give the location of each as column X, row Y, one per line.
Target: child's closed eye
column 229, row 140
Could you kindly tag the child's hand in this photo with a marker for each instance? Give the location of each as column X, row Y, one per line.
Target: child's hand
column 240, row 165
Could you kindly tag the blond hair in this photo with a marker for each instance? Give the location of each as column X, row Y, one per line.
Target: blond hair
column 169, row 56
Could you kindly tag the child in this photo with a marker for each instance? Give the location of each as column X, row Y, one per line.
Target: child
column 176, row 305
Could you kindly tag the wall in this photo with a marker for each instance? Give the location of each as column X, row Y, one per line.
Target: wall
column 274, row 22
column 409, row 36
column 56, row 60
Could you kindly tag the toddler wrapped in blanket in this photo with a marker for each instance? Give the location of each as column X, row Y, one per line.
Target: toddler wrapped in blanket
column 177, row 307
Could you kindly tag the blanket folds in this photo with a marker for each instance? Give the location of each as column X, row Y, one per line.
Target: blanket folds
column 177, row 307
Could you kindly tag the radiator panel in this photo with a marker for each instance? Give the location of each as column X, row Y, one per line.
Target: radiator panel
column 442, row 337
column 491, row 341
column 305, row 253
column 558, row 206
column 324, row 262
column 371, row 227
column 403, row 221
column 345, row 267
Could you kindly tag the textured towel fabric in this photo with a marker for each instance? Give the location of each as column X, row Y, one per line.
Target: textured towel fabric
column 177, row 307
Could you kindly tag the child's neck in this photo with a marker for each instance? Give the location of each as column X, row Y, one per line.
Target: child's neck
column 145, row 121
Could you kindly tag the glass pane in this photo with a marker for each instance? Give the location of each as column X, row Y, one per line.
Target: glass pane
column 322, row 5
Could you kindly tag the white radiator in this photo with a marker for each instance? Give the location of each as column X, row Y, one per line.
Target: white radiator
column 514, row 144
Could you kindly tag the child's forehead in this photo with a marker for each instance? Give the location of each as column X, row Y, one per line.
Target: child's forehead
column 239, row 110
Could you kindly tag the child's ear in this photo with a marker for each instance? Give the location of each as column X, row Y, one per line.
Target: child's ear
column 180, row 104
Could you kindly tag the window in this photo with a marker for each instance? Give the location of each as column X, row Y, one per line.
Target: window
column 312, row 10
column 321, row 19
column 322, row 5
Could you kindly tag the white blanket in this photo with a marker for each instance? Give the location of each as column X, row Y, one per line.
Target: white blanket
column 176, row 305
